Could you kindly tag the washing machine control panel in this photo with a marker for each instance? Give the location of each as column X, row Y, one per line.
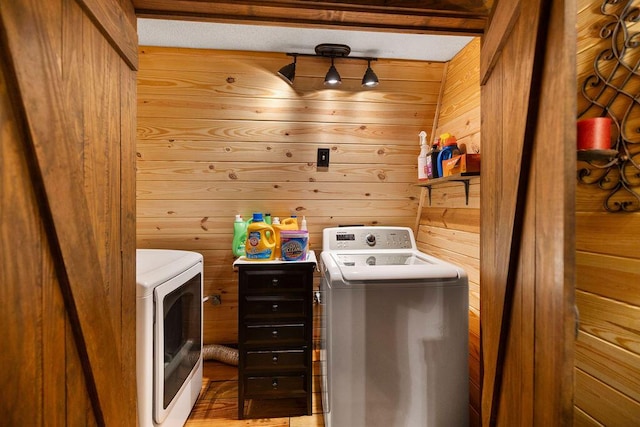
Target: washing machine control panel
column 357, row 238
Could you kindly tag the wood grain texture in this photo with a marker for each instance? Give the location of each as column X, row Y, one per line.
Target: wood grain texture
column 452, row 195
column 581, row 419
column 555, row 227
column 609, row 320
column 127, row 233
column 454, row 218
column 285, row 130
column 461, row 95
column 211, row 190
column 608, row 269
column 410, row 89
column 504, row 16
column 22, row 328
column 612, row 277
column 232, row 63
column 245, row 151
column 605, row 405
column 116, row 24
column 303, row 171
column 536, row 370
column 601, row 227
column 60, row 79
column 460, row 17
column 609, row 364
column 449, row 227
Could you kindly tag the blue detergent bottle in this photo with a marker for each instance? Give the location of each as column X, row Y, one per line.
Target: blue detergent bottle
column 449, row 150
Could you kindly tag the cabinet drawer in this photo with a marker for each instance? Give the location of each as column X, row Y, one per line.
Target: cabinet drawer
column 275, row 386
column 273, row 307
column 270, row 280
column 285, row 359
column 275, row 334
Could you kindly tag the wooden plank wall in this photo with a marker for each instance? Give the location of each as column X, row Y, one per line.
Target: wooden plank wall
column 448, row 227
column 607, row 365
column 219, row 134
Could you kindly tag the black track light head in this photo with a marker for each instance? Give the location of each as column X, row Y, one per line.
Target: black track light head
column 369, row 79
column 288, row 72
column 333, row 77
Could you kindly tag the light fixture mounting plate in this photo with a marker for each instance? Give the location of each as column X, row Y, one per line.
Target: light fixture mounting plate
column 332, row 50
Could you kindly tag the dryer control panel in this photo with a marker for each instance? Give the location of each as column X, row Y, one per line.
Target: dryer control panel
column 368, row 238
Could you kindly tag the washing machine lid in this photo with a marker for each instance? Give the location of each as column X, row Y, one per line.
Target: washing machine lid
column 376, row 266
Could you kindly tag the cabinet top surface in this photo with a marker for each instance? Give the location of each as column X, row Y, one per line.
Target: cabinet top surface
column 311, row 259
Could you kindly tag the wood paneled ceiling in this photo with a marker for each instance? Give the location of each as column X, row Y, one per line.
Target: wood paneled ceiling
column 457, row 17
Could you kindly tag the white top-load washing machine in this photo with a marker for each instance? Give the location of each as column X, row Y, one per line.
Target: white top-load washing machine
column 395, row 332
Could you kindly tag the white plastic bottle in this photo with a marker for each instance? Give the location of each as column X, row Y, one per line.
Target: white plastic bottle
column 303, row 226
column 422, row 158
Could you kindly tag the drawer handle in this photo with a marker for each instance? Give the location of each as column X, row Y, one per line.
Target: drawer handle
column 274, row 307
column 275, row 359
column 274, row 333
column 274, row 383
column 274, row 282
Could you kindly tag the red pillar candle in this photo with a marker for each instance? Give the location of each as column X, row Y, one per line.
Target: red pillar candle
column 594, row 133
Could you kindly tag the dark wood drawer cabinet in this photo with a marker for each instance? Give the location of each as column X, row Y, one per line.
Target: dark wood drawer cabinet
column 275, row 337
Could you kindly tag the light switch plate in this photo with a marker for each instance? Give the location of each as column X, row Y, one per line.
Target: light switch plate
column 323, row 158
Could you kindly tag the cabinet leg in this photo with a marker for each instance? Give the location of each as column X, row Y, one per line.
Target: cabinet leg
column 240, row 401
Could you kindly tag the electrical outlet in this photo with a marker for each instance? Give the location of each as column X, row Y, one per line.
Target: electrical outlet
column 323, row 158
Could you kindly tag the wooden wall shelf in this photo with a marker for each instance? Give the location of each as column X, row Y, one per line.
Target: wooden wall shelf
column 461, row 177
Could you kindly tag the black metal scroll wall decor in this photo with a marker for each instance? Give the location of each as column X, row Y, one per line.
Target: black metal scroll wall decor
column 613, row 91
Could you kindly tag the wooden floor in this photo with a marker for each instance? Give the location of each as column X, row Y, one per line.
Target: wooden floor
column 217, row 405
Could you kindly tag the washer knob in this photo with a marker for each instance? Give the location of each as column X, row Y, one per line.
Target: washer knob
column 370, row 239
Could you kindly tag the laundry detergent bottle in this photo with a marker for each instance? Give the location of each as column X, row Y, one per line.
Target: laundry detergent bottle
column 239, row 236
column 261, row 240
column 449, row 149
column 278, row 226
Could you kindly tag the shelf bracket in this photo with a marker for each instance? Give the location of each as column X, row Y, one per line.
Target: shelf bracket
column 464, row 181
column 466, row 191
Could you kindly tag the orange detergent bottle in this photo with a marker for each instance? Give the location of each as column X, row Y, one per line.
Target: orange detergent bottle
column 278, row 226
column 261, row 240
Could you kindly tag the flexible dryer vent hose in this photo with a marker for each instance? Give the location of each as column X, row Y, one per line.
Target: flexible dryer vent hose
column 221, row 353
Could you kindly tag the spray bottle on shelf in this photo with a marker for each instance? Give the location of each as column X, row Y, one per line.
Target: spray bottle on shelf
column 422, row 158
column 239, row 236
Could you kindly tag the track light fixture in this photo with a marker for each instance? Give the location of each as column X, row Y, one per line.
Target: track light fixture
column 333, row 51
